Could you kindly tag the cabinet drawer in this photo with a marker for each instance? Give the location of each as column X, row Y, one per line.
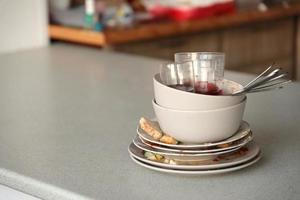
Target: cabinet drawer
column 260, row 43
column 257, row 68
column 166, row 47
column 248, row 48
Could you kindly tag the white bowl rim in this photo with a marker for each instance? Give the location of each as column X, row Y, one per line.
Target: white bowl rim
column 196, row 94
column 199, row 111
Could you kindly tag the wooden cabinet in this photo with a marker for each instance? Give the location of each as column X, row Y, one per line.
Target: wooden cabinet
column 251, row 39
column 253, row 47
column 166, row 47
column 248, row 48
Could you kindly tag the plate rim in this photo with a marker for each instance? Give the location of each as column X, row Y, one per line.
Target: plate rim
column 192, row 146
column 247, row 139
column 200, row 172
column 184, row 167
column 204, row 153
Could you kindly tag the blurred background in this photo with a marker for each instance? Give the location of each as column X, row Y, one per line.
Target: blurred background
column 252, row 33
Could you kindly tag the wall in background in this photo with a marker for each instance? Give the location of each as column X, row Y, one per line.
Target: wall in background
column 23, row 24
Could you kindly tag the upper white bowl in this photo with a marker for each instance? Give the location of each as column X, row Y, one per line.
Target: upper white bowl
column 181, row 100
column 200, row 126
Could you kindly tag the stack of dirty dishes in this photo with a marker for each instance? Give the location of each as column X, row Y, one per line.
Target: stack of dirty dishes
column 199, row 127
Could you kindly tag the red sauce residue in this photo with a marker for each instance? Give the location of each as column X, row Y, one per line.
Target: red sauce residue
column 200, row 87
column 207, row 88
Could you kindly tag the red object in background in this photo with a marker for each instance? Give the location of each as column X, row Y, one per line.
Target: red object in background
column 183, row 14
column 160, row 12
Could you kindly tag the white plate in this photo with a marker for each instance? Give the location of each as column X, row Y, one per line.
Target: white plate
column 139, row 143
column 233, row 145
column 199, row 172
column 253, row 150
column 243, row 131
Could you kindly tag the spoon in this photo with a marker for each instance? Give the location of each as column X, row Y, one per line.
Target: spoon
column 263, row 80
column 272, row 75
column 260, row 75
column 274, row 84
column 264, row 87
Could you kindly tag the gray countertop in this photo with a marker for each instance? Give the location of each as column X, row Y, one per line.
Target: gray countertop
column 68, row 113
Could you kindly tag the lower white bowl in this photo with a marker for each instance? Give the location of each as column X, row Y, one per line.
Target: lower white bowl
column 200, row 126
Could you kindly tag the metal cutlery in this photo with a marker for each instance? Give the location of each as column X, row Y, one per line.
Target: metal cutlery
column 265, row 81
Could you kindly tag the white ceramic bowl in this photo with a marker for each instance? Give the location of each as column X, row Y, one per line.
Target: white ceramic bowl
column 180, row 100
column 200, row 126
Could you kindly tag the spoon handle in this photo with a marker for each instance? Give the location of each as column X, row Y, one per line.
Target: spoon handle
column 265, row 89
column 270, row 87
column 274, row 84
column 278, row 77
column 272, row 76
column 260, row 75
column 263, row 80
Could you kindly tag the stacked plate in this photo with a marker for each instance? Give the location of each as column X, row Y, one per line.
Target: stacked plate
column 233, row 153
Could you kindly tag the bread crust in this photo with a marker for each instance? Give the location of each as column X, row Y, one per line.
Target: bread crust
column 154, row 131
column 149, row 127
column 168, row 139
